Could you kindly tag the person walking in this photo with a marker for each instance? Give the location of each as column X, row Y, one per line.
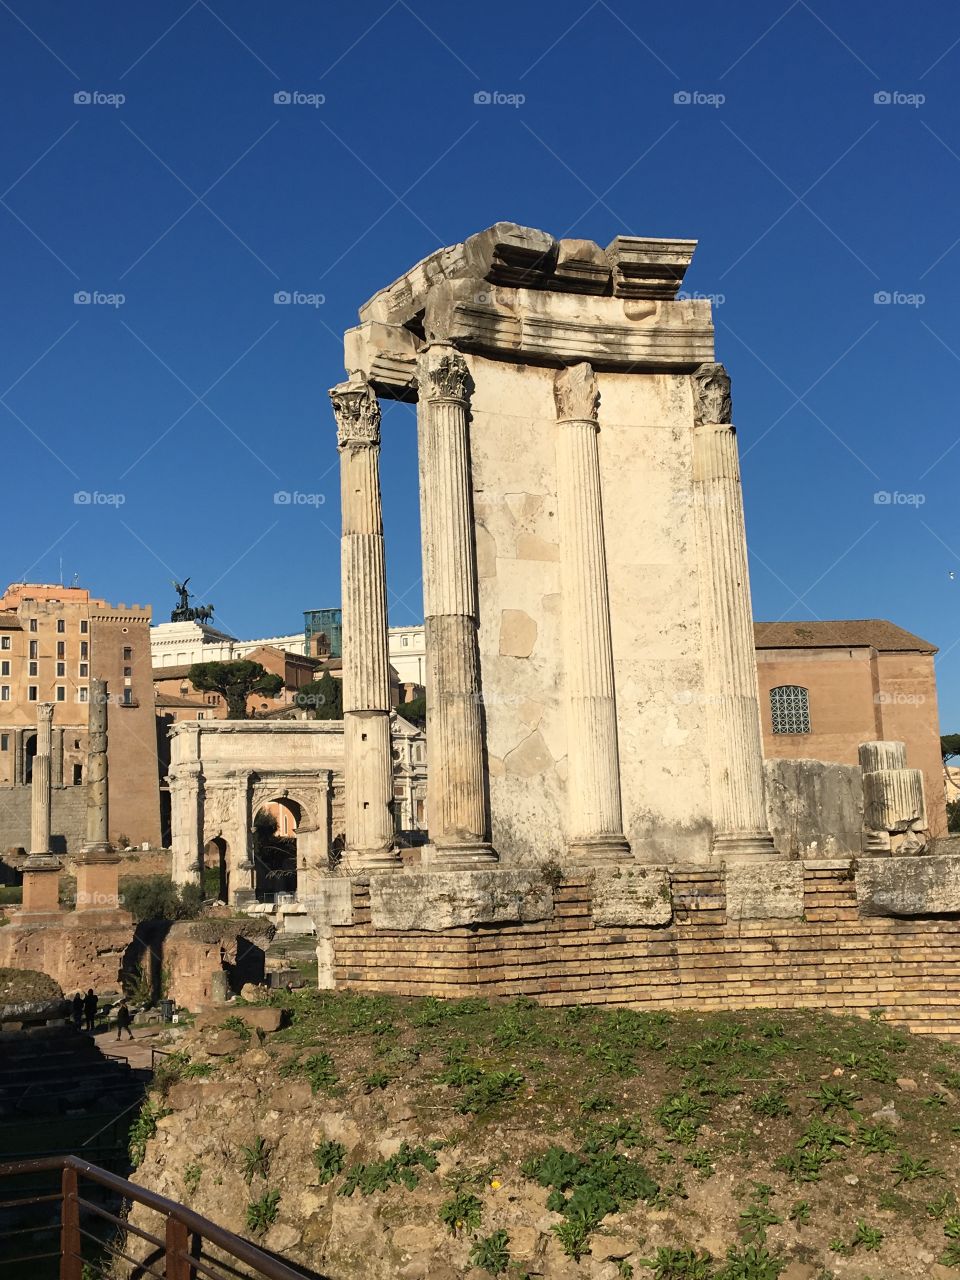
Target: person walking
column 124, row 1020
column 90, row 1003
column 77, row 1009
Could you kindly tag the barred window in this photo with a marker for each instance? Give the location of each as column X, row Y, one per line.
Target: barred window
column 790, row 709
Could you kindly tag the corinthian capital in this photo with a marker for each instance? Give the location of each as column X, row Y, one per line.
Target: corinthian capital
column 711, row 394
column 576, row 394
column 443, row 374
column 357, row 411
column 44, row 712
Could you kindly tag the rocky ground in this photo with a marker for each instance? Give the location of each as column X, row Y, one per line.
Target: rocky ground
column 380, row 1138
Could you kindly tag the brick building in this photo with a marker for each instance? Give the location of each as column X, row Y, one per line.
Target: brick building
column 53, row 641
column 827, row 686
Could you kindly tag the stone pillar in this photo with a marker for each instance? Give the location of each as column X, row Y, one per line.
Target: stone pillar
column 368, row 764
column 186, row 823
column 594, row 817
column 19, row 776
column 459, row 819
column 894, row 811
column 57, row 758
column 40, row 793
column 98, row 839
column 243, row 874
column 741, row 832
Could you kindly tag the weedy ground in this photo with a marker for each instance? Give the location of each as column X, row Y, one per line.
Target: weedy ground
column 726, row 1145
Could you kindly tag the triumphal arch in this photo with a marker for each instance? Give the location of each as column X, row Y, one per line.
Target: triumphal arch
column 593, row 696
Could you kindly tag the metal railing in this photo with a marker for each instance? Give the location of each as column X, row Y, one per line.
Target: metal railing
column 83, row 1238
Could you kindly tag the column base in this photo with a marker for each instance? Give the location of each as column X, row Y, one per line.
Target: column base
column 358, row 860
column 746, row 846
column 94, row 852
column 599, row 851
column 45, row 861
column 451, row 857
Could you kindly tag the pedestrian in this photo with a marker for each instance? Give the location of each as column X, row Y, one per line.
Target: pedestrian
column 124, row 1020
column 77, row 1007
column 90, row 1003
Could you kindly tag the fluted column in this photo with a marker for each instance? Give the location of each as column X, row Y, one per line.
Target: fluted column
column 594, row 815
column 459, row 820
column 368, row 762
column 740, row 824
column 40, row 794
column 98, row 839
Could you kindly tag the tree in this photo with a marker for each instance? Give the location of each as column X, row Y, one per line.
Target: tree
column 415, row 710
column 235, row 681
column 950, row 746
column 322, row 698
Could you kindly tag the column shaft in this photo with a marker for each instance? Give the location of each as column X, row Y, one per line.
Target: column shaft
column 594, row 814
column 459, row 820
column 368, row 762
column 98, row 839
column 741, row 830
column 40, row 794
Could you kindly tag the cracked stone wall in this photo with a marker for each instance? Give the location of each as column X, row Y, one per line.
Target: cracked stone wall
column 645, row 446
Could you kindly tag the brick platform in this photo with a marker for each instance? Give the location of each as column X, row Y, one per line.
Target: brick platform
column 832, row 957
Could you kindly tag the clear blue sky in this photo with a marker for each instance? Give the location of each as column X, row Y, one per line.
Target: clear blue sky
column 199, row 197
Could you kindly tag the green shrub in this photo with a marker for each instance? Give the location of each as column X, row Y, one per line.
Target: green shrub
column 461, row 1212
column 143, row 1129
column 329, row 1159
column 491, row 1253
column 158, row 898
column 262, row 1213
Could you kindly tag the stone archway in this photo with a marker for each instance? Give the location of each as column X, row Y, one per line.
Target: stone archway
column 216, row 869
column 275, row 846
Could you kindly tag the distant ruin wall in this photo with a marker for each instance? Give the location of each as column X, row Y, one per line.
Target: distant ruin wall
column 67, row 821
column 843, row 936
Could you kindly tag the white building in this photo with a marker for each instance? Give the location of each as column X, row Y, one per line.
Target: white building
column 407, row 650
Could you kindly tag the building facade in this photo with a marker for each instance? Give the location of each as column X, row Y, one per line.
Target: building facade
column 53, row 641
column 825, row 687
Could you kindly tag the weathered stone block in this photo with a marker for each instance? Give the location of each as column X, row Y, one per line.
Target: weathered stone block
column 765, row 891
column 436, row 900
column 631, row 895
column 918, row 886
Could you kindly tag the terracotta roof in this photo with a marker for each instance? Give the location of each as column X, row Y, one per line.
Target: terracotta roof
column 842, row 633
column 174, row 700
column 9, row 620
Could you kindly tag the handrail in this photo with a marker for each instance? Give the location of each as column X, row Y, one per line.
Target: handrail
column 181, row 1221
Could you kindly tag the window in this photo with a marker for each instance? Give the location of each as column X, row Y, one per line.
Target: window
column 61, row 649
column 405, row 641
column 61, row 693
column 61, row 626
column 81, row 695
column 33, row 669
column 127, row 653
column 31, row 693
column 5, row 667
column 4, row 693
column 34, row 648
column 128, row 697
column 84, row 649
column 4, row 742
column 61, row 668
column 4, row 642
column 33, row 624
column 84, row 670
column 127, row 672
column 77, row 774
column 790, row 709
column 84, row 627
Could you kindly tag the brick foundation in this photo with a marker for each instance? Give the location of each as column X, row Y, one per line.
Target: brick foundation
column 833, row 957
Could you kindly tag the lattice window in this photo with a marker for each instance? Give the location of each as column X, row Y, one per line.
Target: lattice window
column 790, row 709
